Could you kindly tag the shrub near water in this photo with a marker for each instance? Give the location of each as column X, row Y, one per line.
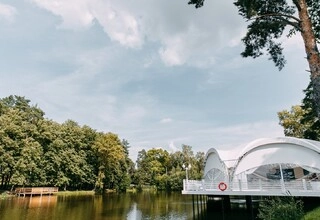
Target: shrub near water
column 280, row 208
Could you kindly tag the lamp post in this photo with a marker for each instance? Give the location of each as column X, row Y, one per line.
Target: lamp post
column 186, row 167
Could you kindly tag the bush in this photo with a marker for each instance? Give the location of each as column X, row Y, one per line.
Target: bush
column 280, row 208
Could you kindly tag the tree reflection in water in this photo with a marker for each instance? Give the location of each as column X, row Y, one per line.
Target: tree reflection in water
column 129, row 206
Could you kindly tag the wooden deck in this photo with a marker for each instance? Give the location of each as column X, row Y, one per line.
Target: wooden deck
column 30, row 191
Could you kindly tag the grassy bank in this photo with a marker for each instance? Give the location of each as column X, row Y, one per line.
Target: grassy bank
column 313, row 215
column 75, row 193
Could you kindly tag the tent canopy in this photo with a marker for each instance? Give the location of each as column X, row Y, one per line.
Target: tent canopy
column 261, row 152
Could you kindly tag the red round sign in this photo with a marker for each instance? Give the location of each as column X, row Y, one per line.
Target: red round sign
column 222, row 186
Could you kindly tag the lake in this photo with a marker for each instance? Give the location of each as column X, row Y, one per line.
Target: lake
column 129, row 206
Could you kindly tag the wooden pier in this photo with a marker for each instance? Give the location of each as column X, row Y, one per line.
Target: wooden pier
column 39, row 191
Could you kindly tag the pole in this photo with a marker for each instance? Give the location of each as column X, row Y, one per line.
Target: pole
column 187, row 173
column 282, row 179
column 186, row 167
column 193, row 210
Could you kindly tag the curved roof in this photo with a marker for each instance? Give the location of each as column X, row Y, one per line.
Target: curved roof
column 213, row 161
column 279, row 150
column 312, row 145
column 284, row 150
column 212, row 151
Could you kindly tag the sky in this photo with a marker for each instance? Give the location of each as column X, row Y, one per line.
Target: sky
column 159, row 74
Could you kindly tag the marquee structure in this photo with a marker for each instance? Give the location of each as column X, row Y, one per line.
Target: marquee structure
column 282, row 166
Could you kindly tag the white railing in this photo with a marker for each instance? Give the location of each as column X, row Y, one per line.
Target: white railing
column 255, row 185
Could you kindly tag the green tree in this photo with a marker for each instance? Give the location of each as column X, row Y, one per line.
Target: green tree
column 111, row 156
column 291, row 121
column 75, row 154
column 187, row 153
column 176, row 179
column 196, row 162
column 199, row 165
column 129, row 164
column 310, row 118
column 152, row 168
column 53, row 147
column 176, row 159
column 268, row 20
column 68, row 155
column 158, row 168
column 36, row 151
column 29, row 165
column 141, row 174
column 302, row 120
column 20, row 151
column 9, row 146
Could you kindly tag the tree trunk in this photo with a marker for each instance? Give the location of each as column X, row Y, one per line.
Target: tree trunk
column 312, row 51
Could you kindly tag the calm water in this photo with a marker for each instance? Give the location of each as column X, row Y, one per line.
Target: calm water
column 140, row 206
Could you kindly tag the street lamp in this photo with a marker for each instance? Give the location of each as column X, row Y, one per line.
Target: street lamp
column 186, row 168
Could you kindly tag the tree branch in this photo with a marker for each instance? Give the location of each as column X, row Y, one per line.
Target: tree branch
column 296, row 3
column 281, row 17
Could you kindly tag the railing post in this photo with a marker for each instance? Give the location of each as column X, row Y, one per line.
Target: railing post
column 304, row 184
column 184, row 185
column 260, row 185
column 240, row 187
column 283, row 188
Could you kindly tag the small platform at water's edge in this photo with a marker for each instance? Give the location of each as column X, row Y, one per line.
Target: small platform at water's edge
column 30, row 191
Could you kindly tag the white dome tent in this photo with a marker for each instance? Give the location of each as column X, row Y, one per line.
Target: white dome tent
column 269, row 166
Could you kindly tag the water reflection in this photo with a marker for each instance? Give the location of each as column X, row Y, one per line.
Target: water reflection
column 141, row 206
column 134, row 213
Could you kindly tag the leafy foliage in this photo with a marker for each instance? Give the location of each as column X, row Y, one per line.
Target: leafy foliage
column 267, row 23
column 165, row 171
column 280, row 208
column 269, row 20
column 35, row 151
column 291, row 121
column 313, row 9
column 310, row 117
column 302, row 120
column 197, row 3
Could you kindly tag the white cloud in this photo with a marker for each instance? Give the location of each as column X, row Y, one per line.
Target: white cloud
column 7, row 12
column 189, row 36
column 94, row 88
column 121, row 25
column 165, row 120
column 82, row 75
column 118, row 23
column 75, row 14
column 172, row 54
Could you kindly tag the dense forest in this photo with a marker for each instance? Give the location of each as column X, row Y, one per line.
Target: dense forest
column 36, row 151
